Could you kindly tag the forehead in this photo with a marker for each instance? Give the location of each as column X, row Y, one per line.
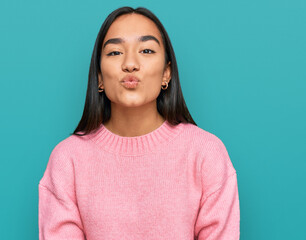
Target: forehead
column 131, row 26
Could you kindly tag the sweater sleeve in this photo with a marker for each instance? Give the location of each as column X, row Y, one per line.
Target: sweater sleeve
column 59, row 217
column 219, row 213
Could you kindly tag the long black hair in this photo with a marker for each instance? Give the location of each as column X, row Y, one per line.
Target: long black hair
column 170, row 102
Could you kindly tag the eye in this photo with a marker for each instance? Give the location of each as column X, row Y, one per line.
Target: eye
column 148, row 51
column 114, row 53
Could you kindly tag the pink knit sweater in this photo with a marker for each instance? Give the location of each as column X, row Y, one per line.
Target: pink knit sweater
column 176, row 182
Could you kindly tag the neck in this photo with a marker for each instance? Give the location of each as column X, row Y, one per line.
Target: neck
column 134, row 121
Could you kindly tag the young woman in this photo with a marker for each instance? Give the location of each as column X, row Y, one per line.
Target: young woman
column 137, row 166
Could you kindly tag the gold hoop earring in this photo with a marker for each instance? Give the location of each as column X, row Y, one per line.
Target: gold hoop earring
column 164, row 88
column 100, row 90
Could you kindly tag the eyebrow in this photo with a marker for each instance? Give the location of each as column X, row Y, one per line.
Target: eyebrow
column 140, row 39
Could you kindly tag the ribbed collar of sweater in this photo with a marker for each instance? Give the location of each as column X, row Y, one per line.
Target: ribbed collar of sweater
column 150, row 142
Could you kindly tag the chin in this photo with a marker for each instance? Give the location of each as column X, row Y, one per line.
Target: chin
column 133, row 100
column 132, row 103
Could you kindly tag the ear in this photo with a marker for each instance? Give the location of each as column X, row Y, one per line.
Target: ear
column 100, row 84
column 167, row 73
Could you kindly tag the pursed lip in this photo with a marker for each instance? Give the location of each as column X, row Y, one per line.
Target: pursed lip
column 130, row 79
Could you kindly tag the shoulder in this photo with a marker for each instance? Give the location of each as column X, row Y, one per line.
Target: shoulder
column 65, row 146
column 66, row 154
column 63, row 158
column 61, row 154
column 71, row 145
column 215, row 165
column 202, row 137
column 210, row 149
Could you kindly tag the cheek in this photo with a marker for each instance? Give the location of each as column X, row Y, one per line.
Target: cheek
column 155, row 70
column 153, row 81
column 108, row 69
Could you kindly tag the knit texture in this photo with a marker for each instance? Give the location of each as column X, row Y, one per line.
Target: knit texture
column 176, row 182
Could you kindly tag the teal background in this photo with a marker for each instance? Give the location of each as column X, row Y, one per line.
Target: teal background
column 242, row 71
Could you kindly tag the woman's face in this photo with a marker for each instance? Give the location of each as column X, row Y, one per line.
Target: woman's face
column 133, row 47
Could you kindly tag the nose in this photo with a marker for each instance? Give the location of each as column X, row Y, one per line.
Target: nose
column 130, row 63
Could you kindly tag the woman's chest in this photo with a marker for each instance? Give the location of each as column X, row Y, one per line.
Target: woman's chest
column 138, row 194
